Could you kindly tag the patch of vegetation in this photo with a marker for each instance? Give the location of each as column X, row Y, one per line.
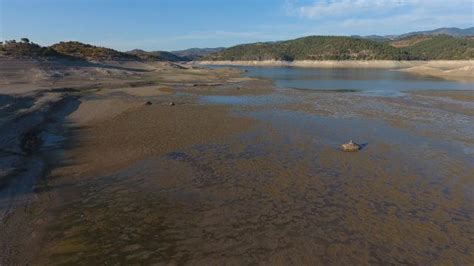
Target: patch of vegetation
column 157, row 56
column 352, row 48
column 25, row 48
column 197, row 53
column 90, row 52
column 443, row 47
column 419, row 47
column 315, row 48
column 409, row 41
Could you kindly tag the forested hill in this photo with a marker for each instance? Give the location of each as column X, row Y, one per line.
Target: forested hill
column 417, row 47
column 79, row 51
column 156, row 56
column 90, row 52
column 350, row 48
column 441, row 48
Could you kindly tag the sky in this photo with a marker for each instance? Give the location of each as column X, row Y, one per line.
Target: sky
column 179, row 24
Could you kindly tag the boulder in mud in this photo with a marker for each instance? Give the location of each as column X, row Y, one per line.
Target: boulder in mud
column 351, row 146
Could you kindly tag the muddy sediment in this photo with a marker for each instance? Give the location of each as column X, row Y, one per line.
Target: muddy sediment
column 28, row 153
column 245, row 173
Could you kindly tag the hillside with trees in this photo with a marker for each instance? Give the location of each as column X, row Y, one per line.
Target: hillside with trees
column 197, row 53
column 453, row 32
column 441, row 47
column 157, row 56
column 80, row 51
column 416, row 47
column 90, row 52
column 314, row 48
column 25, row 48
column 352, row 48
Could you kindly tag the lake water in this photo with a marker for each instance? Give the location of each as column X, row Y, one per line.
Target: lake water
column 378, row 82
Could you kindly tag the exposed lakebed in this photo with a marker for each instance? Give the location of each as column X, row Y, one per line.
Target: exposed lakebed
column 239, row 175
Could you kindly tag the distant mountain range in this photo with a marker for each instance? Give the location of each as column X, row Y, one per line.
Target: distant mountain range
column 397, row 41
column 81, row 51
column 416, row 47
column 157, row 56
column 197, row 53
column 443, row 43
column 454, row 32
column 181, row 55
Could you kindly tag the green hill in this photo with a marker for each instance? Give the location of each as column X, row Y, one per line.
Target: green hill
column 90, row 52
column 80, row 51
column 454, row 32
column 196, row 53
column 157, row 56
column 352, row 48
column 25, row 48
column 441, row 47
column 314, row 48
column 417, row 47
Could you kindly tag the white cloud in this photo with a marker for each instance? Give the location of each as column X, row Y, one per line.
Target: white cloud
column 382, row 16
column 321, row 9
column 363, row 9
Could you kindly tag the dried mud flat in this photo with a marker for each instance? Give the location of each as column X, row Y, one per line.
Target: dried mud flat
column 236, row 172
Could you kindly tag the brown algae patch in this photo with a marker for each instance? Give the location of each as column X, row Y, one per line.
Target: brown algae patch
column 150, row 131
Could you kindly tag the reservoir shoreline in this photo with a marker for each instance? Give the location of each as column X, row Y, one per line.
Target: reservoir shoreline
column 447, row 69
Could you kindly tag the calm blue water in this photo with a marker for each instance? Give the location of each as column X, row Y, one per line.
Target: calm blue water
column 366, row 81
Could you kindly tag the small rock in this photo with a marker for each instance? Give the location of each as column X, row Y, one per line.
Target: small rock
column 172, row 104
column 148, row 103
column 350, row 146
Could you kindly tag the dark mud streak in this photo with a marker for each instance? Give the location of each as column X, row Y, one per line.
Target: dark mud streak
column 31, row 163
column 23, row 132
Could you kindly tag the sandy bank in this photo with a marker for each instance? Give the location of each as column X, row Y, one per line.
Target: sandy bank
column 448, row 69
column 149, row 131
column 388, row 64
column 461, row 73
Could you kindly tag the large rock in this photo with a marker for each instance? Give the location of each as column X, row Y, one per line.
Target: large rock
column 351, row 146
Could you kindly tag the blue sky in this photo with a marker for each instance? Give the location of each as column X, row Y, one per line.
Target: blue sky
column 179, row 24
